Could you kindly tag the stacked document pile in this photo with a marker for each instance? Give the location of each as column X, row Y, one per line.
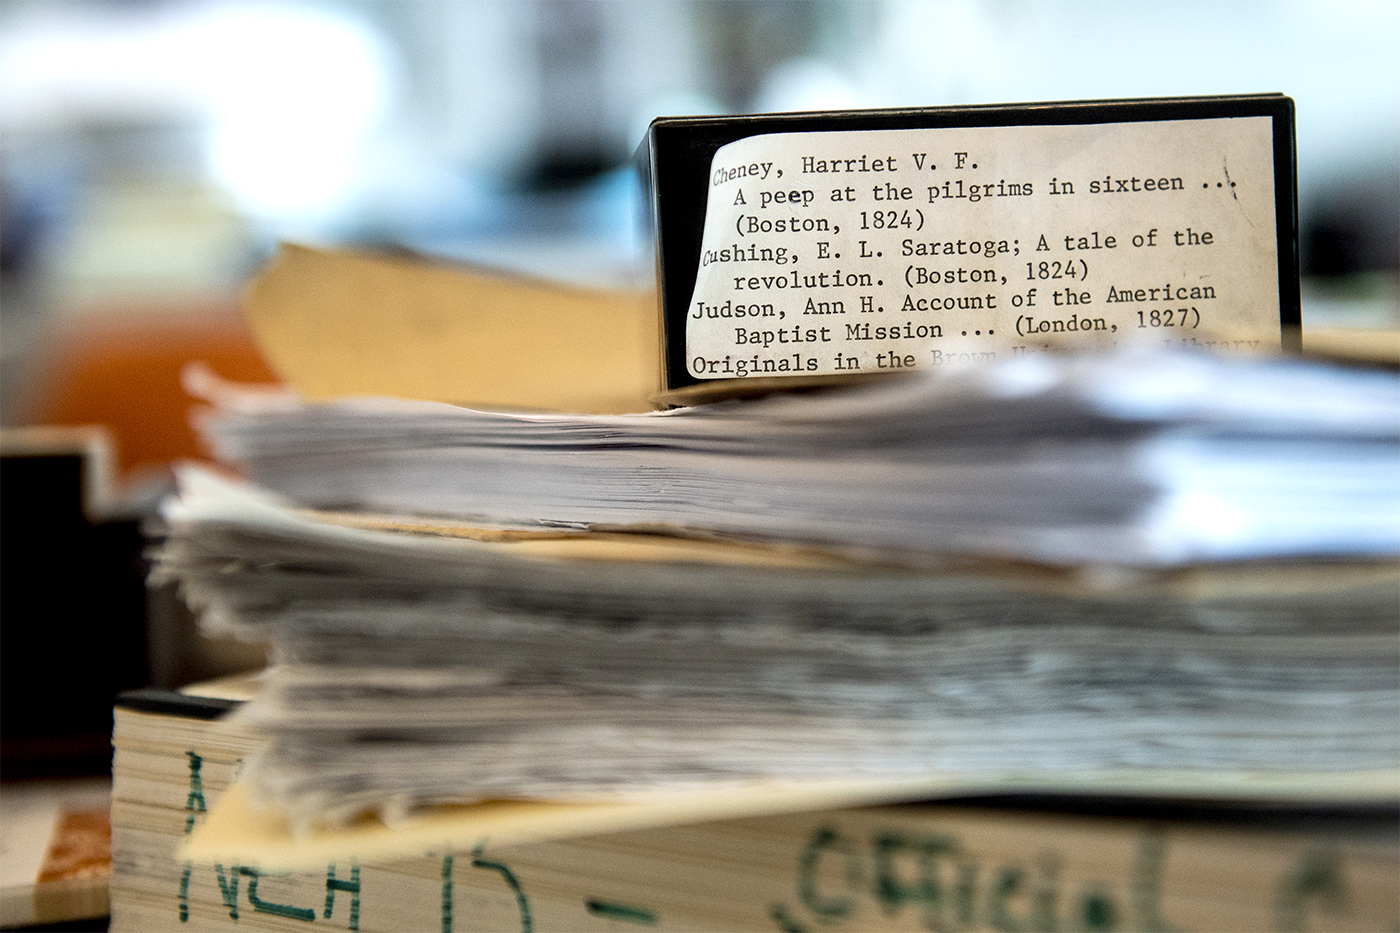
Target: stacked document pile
column 1149, row 573
column 1132, row 459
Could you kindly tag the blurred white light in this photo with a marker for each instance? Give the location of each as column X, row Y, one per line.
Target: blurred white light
column 807, row 84
column 287, row 94
column 287, row 134
column 674, row 104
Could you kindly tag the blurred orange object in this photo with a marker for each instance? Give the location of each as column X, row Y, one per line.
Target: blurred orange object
column 121, row 368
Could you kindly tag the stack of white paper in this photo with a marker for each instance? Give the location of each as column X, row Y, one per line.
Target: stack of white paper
column 1136, row 459
column 983, row 575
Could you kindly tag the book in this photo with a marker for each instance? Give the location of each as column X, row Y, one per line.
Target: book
column 55, row 851
column 973, row 864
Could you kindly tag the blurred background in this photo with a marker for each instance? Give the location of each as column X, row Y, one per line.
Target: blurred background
column 153, row 152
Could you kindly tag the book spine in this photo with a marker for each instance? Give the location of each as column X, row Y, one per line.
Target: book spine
column 914, row 868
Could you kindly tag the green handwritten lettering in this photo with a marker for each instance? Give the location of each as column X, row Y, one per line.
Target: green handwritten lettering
column 621, row 912
column 925, row 889
column 1317, row 879
column 261, row 906
column 351, row 887
column 828, row 908
column 784, row 921
column 228, row 889
column 447, row 894
column 526, row 925
column 1098, row 912
column 185, row 892
column 194, row 803
column 1007, row 882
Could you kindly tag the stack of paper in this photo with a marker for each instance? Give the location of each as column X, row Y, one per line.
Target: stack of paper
column 872, row 626
column 1147, row 459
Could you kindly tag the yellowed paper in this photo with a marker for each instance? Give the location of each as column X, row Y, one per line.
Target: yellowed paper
column 880, row 251
column 1362, row 345
column 337, row 324
column 238, row 832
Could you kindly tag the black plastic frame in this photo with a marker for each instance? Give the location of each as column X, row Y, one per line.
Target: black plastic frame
column 675, row 162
